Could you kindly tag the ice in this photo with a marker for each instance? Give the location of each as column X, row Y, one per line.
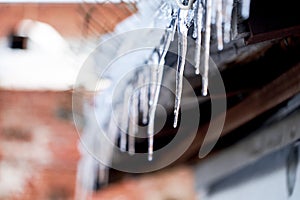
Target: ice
column 219, row 24
column 133, row 123
column 195, row 31
column 163, row 49
column 206, row 47
column 182, row 49
column 190, row 17
column 103, row 174
column 86, row 176
column 198, row 25
column 186, row 5
column 227, row 20
column 125, row 114
column 165, row 43
column 173, row 24
column 88, row 166
column 153, row 62
column 246, row 8
column 105, row 151
column 214, row 12
column 144, row 96
column 152, row 111
column 154, row 81
column 140, row 83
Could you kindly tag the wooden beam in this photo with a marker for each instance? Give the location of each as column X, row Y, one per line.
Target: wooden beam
column 274, row 93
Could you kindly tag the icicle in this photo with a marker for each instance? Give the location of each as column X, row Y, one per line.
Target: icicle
column 152, row 112
column 234, row 23
column 106, row 150
column 154, row 61
column 125, row 121
column 144, row 97
column 165, row 44
column 166, row 41
column 140, row 83
column 87, row 167
column 173, row 23
column 246, row 8
column 206, row 47
column 103, row 174
column 214, row 12
column 182, row 49
column 190, row 17
column 227, row 22
column 219, row 25
column 152, row 87
column 174, row 30
column 198, row 26
column 184, row 7
column 195, row 10
column 133, row 123
column 195, row 31
column 86, row 176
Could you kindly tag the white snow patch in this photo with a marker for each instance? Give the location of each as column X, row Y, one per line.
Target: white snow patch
column 47, row 63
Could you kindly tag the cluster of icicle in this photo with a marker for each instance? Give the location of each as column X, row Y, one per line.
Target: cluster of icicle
column 145, row 100
column 202, row 14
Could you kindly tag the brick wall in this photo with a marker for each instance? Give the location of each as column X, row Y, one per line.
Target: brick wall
column 38, row 154
column 38, row 145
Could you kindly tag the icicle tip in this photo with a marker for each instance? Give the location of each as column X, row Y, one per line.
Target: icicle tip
column 150, row 157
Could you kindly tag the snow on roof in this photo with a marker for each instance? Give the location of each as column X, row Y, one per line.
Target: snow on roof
column 47, row 63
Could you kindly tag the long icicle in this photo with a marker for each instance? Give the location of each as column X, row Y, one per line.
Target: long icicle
column 152, row 87
column 246, row 8
column 199, row 36
column 182, row 50
column 144, row 96
column 133, row 123
column 168, row 37
column 206, row 47
column 195, row 30
column 219, row 25
column 103, row 174
column 227, row 23
column 125, row 121
column 140, row 83
column 213, row 12
column 154, row 60
column 173, row 24
column 152, row 111
column 106, row 151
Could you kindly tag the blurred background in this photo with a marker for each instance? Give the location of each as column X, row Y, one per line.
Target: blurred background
column 42, row 47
